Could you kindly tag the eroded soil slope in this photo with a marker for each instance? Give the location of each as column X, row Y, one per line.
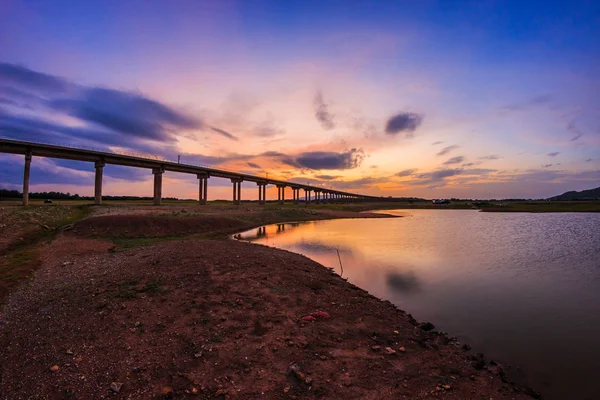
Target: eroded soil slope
column 218, row 319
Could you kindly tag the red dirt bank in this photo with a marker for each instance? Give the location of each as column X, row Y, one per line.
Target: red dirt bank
column 218, row 319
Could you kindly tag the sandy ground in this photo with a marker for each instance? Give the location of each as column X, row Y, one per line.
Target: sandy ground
column 199, row 318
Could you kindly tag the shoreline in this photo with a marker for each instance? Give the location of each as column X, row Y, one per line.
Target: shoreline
column 253, row 299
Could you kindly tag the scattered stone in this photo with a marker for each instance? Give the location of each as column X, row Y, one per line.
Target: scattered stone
column 167, row 392
column 297, row 372
column 396, row 332
column 54, row 368
column 194, row 390
column 447, row 387
column 116, row 386
column 286, row 389
column 375, row 348
column 402, row 349
column 427, row 326
column 321, row 315
column 70, row 352
column 390, row 351
column 308, row 318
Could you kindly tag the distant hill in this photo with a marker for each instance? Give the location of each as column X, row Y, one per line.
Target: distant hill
column 591, row 194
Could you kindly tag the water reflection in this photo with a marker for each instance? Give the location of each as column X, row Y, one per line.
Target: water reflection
column 523, row 288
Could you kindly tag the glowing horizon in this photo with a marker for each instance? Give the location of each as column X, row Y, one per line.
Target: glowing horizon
column 396, row 99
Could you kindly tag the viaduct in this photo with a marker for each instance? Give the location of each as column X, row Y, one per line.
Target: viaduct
column 159, row 166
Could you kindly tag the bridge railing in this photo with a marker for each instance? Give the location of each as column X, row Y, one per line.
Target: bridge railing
column 130, row 154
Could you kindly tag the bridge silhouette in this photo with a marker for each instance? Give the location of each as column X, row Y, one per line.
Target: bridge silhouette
column 158, row 167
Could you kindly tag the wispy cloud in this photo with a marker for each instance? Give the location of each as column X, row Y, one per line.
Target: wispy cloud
column 447, row 150
column 553, row 154
column 490, row 157
column 322, row 113
column 533, row 102
column 224, row 133
column 454, row 160
column 577, row 134
column 406, row 172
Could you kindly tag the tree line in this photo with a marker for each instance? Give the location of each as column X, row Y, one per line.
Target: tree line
column 15, row 194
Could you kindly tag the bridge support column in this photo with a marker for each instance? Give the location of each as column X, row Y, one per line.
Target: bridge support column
column 202, row 188
column 281, row 194
column 296, row 195
column 262, row 192
column 307, row 196
column 237, row 191
column 158, row 173
column 98, row 182
column 26, row 172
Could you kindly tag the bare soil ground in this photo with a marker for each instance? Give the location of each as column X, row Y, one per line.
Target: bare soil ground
column 199, row 318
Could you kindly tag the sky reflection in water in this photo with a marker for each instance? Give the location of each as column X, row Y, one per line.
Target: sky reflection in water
column 523, row 288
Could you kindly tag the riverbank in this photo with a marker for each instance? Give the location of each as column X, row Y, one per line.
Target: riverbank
column 140, row 304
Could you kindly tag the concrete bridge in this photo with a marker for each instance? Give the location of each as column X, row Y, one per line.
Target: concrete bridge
column 159, row 166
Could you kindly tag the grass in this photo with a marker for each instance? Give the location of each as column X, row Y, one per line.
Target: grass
column 130, row 289
column 124, row 243
column 22, row 258
column 544, row 206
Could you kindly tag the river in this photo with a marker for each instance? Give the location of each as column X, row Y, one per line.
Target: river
column 524, row 289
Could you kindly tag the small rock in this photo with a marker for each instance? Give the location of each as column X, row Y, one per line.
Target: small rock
column 402, row 349
column 308, row 318
column 396, row 332
column 70, row 352
column 375, row 348
column 54, row 368
column 321, row 315
column 295, row 370
column 427, row 326
column 390, row 351
column 194, row 390
column 167, row 391
column 116, row 386
column 447, row 387
column 286, row 389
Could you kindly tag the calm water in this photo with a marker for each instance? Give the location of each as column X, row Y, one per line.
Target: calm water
column 522, row 288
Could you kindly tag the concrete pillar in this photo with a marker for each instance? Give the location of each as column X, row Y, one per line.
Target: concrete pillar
column 98, row 182
column 282, row 198
column 237, row 191
column 26, row 172
column 264, row 196
column 205, row 183
column 259, row 193
column 202, row 188
column 158, row 173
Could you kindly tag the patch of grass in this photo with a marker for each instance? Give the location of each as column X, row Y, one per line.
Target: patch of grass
column 278, row 290
column 216, row 338
column 131, row 288
column 543, row 206
column 123, row 243
column 22, row 258
column 126, row 290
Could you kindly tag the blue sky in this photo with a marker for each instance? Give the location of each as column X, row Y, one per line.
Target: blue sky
column 472, row 98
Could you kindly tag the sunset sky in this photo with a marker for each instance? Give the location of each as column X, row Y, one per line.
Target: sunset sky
column 470, row 99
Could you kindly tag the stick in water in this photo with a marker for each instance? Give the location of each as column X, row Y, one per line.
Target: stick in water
column 341, row 266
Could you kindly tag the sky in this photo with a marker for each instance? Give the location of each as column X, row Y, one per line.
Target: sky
column 433, row 99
